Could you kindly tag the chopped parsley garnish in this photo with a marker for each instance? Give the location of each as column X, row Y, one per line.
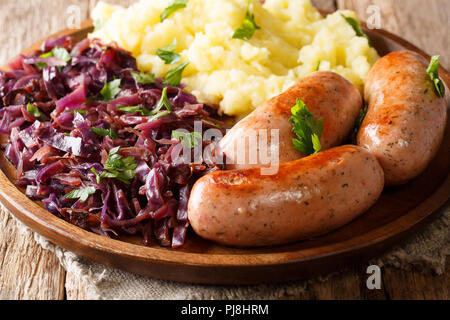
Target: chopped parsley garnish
column 46, row 55
column 81, row 194
column 307, row 130
column 142, row 110
column 173, row 6
column 57, row 52
column 42, row 65
column 318, row 65
column 248, row 27
column 433, row 72
column 163, row 102
column 105, row 132
column 173, row 76
column 110, row 90
column 356, row 27
column 362, row 115
column 117, row 167
column 167, row 53
column 358, row 123
column 97, row 175
column 35, row 112
column 143, row 77
column 188, row 139
column 156, row 116
column 78, row 111
column 62, row 54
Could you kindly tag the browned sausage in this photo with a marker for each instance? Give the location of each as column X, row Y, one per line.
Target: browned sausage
column 306, row 198
column 406, row 118
column 326, row 94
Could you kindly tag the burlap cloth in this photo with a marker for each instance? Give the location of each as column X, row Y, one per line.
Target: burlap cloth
column 425, row 251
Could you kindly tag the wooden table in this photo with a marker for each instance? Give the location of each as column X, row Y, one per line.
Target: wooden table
column 29, row 272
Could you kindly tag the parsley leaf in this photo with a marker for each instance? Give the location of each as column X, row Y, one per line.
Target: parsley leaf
column 57, row 52
column 78, row 111
column 142, row 110
column 117, row 167
column 97, row 175
column 61, row 53
column 173, row 6
column 248, row 27
column 110, row 90
column 46, row 55
column 357, row 28
column 307, row 130
column 35, row 112
column 318, row 65
column 105, row 132
column 172, row 46
column 173, row 76
column 81, row 194
column 143, row 77
column 188, row 139
column 316, row 142
column 42, row 65
column 362, row 115
column 168, row 57
column 358, row 123
column 156, row 116
column 163, row 102
column 433, row 72
column 167, row 53
column 121, row 168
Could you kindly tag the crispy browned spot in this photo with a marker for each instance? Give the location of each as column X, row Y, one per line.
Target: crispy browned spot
column 252, row 177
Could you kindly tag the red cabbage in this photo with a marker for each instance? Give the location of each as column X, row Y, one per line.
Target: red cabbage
column 56, row 149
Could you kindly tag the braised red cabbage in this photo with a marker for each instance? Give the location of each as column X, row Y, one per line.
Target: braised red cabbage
column 48, row 108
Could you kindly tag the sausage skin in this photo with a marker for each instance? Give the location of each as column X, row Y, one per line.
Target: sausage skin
column 326, row 94
column 306, row 198
column 405, row 120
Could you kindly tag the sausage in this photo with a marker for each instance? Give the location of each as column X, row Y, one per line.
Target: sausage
column 306, row 198
column 405, row 120
column 326, row 94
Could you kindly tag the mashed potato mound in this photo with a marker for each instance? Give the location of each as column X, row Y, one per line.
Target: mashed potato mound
column 238, row 75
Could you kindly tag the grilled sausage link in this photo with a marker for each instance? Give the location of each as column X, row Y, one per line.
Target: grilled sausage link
column 326, row 94
column 306, row 198
column 406, row 119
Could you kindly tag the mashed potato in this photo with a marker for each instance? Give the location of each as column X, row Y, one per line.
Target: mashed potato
column 234, row 74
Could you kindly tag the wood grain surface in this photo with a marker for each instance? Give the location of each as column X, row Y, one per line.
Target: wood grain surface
column 29, row 272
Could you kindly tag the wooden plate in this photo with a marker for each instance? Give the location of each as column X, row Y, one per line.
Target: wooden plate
column 399, row 212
